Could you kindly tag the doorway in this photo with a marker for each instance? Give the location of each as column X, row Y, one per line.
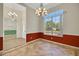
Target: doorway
column 14, row 26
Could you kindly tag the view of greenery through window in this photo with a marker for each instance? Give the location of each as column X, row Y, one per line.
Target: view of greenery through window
column 53, row 25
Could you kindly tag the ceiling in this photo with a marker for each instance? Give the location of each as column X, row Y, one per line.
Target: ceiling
column 46, row 5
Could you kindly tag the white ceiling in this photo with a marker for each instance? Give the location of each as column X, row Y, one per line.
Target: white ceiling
column 46, row 5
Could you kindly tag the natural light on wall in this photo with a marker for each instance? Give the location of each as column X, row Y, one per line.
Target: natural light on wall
column 53, row 23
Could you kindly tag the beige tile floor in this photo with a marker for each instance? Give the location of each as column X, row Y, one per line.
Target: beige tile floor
column 41, row 48
column 10, row 41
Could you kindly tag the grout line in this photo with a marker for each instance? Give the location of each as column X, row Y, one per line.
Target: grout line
column 75, row 49
column 12, row 49
column 61, row 44
column 17, row 47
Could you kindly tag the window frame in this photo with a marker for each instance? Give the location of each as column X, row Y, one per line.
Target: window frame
column 61, row 28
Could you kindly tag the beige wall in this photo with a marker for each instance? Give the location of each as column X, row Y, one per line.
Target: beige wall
column 70, row 22
column 1, row 20
column 32, row 20
column 32, row 23
column 71, row 18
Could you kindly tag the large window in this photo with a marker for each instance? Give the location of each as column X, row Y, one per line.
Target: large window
column 53, row 23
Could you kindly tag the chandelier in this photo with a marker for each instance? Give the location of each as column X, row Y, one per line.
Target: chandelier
column 41, row 11
column 12, row 15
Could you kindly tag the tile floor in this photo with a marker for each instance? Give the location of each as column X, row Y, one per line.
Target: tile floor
column 10, row 41
column 41, row 48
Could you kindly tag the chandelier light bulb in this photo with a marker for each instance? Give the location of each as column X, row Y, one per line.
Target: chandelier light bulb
column 45, row 13
column 9, row 13
column 15, row 14
column 41, row 11
column 44, row 9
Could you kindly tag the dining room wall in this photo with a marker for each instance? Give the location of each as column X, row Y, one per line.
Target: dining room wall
column 1, row 26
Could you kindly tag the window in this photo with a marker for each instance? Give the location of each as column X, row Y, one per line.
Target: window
column 53, row 24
